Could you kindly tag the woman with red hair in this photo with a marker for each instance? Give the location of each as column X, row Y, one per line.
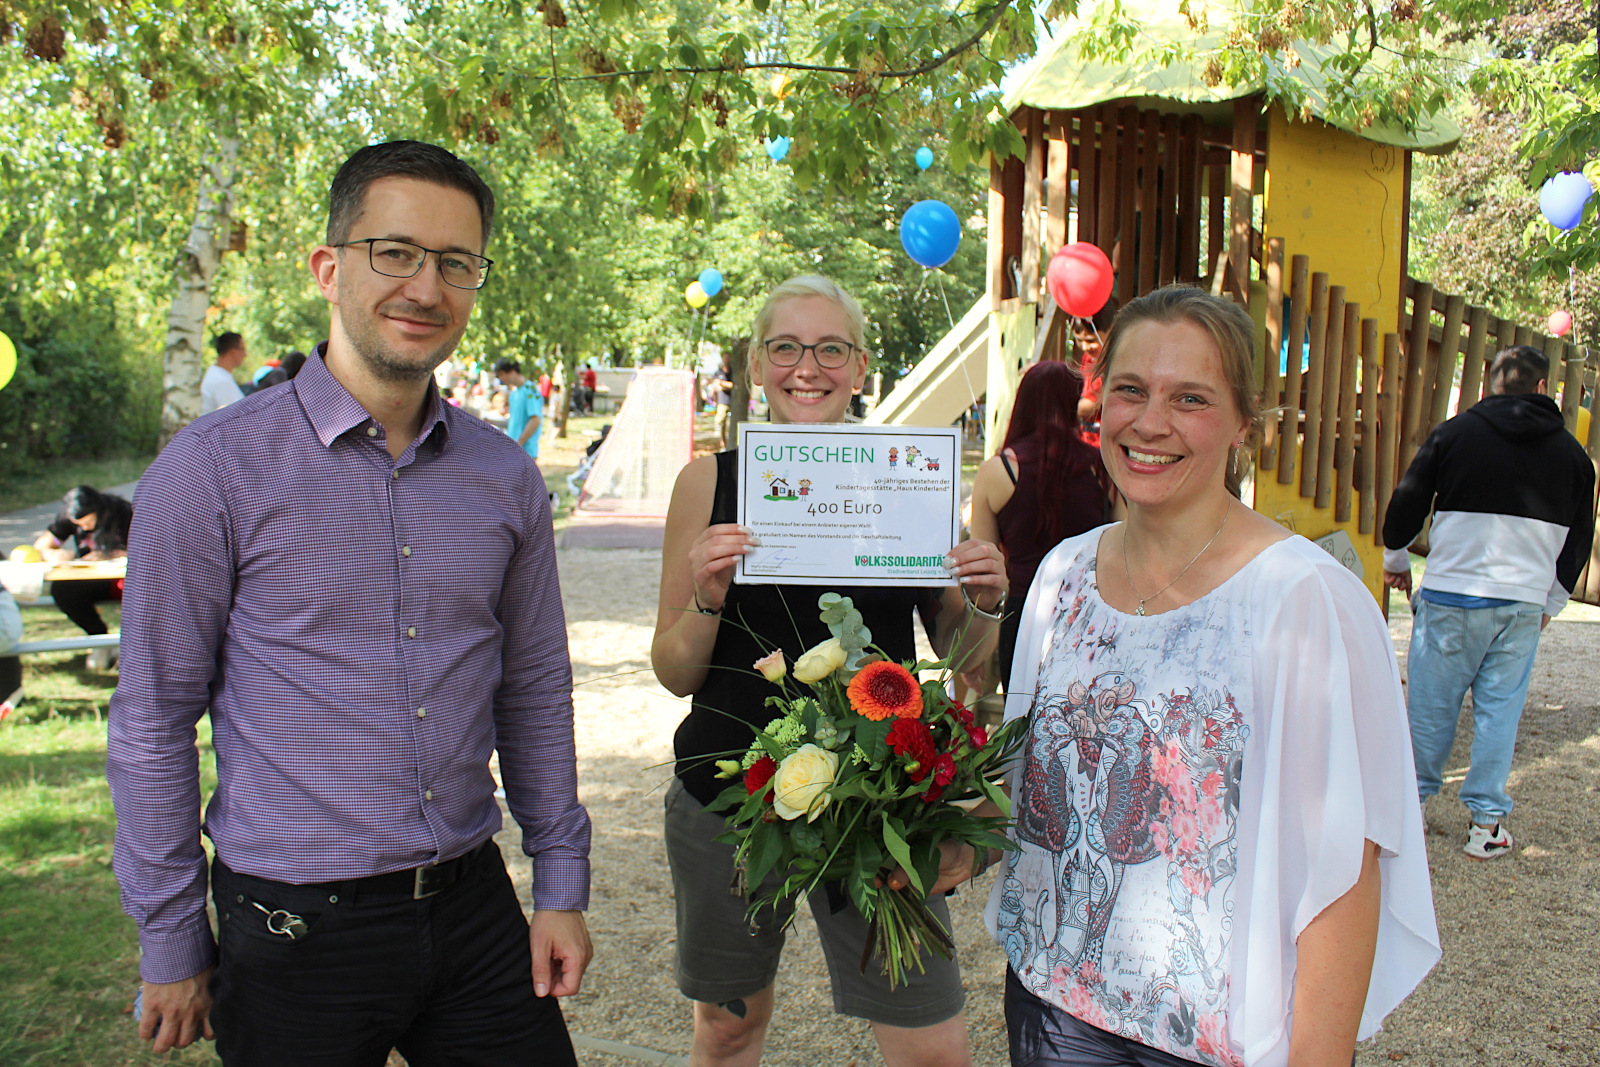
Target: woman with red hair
column 1044, row 485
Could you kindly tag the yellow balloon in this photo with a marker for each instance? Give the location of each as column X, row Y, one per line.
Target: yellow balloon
column 8, row 360
column 695, row 295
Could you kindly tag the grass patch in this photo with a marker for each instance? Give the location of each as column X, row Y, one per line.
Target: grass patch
column 69, row 957
column 48, row 481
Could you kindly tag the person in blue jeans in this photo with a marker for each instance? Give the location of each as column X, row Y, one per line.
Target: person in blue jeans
column 1513, row 500
column 526, row 411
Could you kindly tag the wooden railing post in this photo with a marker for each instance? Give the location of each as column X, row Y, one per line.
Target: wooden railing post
column 1332, row 371
column 1289, row 423
column 1445, row 373
column 1388, row 432
column 1344, row 461
column 1242, row 198
column 1319, row 341
column 1416, row 358
column 1370, row 373
column 1472, row 371
column 1271, row 396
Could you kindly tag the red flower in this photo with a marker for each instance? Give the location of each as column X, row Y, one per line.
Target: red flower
column 912, row 739
column 962, row 713
column 884, row 689
column 759, row 774
column 978, row 736
column 944, row 772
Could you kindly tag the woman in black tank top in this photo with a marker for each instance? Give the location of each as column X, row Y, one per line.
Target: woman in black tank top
column 807, row 351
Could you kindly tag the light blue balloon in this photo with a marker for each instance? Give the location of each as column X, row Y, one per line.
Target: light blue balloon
column 930, row 232
column 711, row 281
column 1562, row 198
column 777, row 148
column 924, row 157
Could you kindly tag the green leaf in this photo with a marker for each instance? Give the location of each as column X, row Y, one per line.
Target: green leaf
column 805, row 837
column 898, row 848
column 766, row 849
column 873, row 737
column 996, row 794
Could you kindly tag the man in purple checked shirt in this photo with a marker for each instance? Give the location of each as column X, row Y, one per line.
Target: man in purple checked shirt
column 358, row 580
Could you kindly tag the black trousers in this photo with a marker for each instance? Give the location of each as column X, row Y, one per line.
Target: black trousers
column 77, row 600
column 10, row 675
column 446, row 980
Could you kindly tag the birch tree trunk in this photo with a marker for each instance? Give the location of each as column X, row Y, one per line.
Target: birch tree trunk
column 564, row 402
column 184, row 362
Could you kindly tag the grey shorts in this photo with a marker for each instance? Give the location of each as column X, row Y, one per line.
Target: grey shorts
column 719, row 957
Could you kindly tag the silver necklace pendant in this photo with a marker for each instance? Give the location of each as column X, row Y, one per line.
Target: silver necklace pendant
column 1140, row 610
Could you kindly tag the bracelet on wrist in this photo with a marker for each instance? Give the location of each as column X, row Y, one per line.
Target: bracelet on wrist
column 999, row 609
column 713, row 612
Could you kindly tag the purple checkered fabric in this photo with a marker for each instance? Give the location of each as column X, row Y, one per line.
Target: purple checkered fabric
column 365, row 631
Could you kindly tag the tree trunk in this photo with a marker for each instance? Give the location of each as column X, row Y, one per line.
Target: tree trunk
column 564, row 400
column 184, row 361
column 739, row 402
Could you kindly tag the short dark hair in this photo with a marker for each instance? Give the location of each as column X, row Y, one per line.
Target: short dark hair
column 504, row 364
column 400, row 159
column 227, row 342
column 292, row 363
column 1518, row 370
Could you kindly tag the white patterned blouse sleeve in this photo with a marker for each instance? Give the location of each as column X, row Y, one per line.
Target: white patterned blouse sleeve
column 1329, row 767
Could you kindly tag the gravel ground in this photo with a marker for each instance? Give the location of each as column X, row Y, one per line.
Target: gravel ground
column 1518, row 983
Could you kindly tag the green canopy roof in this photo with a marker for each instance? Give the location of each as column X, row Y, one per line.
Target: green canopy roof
column 1060, row 79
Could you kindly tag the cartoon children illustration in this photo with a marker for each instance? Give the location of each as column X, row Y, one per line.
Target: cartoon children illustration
column 805, row 487
column 894, row 455
column 911, row 457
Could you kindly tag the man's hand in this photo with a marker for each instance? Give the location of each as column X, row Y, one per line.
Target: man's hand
column 176, row 1014
column 1544, row 620
column 1400, row 580
column 561, row 952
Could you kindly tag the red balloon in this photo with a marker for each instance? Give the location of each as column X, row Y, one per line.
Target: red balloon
column 1560, row 323
column 1080, row 279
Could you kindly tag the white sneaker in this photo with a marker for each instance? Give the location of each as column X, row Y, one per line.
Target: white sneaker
column 103, row 658
column 1487, row 842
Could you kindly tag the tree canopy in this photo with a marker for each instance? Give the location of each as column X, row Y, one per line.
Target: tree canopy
column 627, row 141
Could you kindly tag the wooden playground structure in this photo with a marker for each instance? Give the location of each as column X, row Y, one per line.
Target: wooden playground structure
column 1302, row 222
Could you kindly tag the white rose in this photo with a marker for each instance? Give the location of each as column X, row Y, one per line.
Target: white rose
column 819, row 662
column 801, row 785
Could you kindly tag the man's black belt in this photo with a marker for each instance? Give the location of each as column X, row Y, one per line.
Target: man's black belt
column 417, row 883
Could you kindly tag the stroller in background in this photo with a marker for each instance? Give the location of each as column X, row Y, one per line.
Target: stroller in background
column 576, row 479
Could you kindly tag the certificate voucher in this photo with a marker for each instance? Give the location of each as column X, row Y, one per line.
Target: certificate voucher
column 848, row 504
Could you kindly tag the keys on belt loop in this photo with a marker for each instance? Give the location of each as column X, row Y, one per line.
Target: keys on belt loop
column 282, row 923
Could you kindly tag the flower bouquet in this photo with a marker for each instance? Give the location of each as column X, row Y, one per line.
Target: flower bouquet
column 864, row 770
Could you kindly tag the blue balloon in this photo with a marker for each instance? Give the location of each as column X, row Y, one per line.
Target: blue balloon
column 924, row 157
column 777, row 147
column 930, row 232
column 1562, row 198
column 711, row 281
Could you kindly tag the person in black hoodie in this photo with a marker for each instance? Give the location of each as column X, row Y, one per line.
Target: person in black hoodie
column 1513, row 500
column 98, row 524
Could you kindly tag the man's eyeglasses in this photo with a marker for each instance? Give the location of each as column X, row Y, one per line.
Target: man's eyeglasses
column 402, row 259
column 783, row 352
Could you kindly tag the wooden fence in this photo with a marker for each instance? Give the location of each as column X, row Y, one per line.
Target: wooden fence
column 1364, row 403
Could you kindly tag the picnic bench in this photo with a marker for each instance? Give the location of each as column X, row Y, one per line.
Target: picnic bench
column 26, row 582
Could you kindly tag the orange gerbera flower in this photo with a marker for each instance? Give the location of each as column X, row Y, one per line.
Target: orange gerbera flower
column 884, row 689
